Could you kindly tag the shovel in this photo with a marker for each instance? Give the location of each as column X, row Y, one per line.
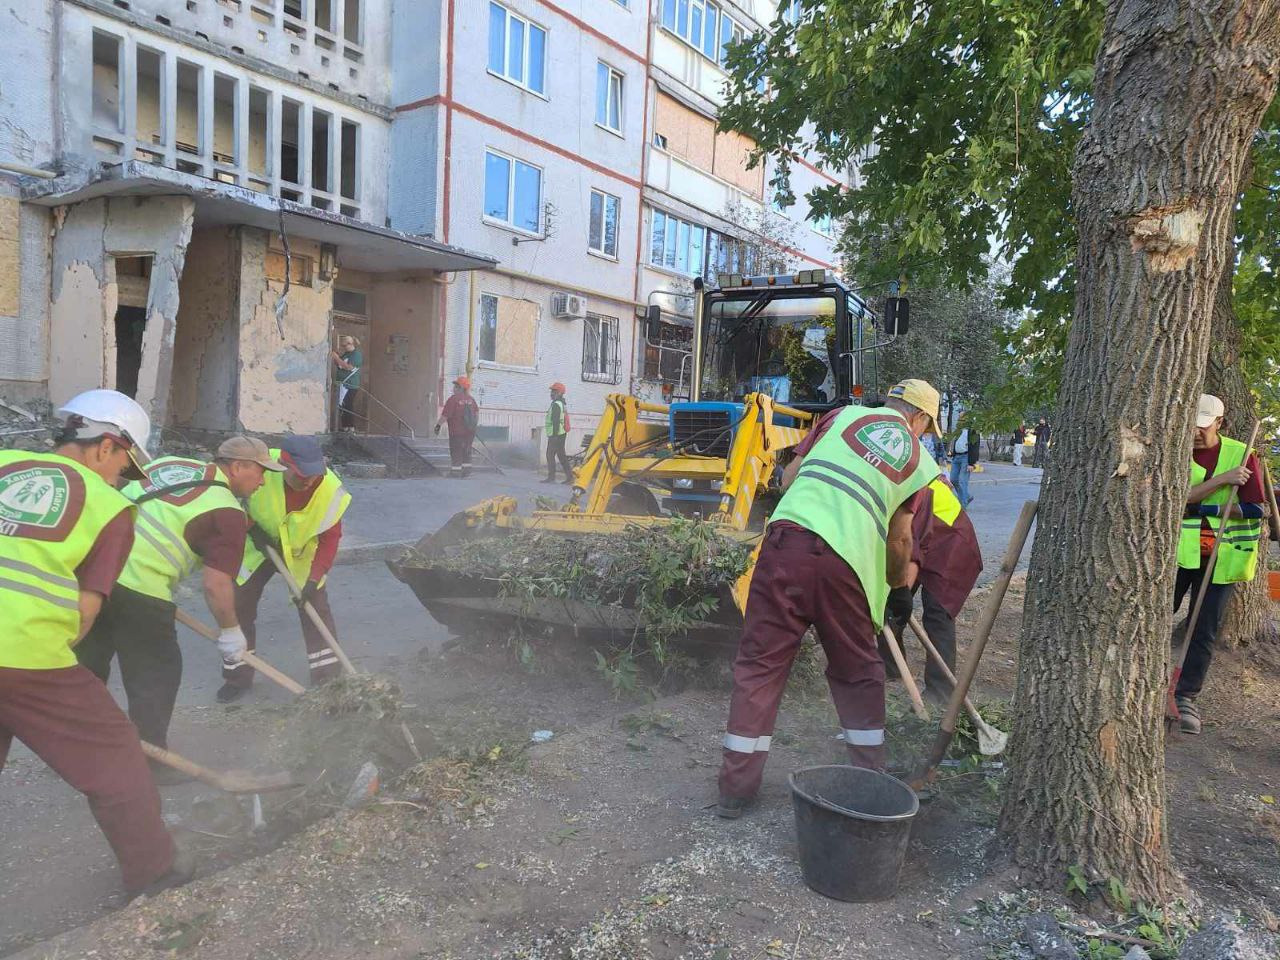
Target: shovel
column 296, row 592
column 264, row 668
column 991, row 742
column 230, row 781
column 908, row 681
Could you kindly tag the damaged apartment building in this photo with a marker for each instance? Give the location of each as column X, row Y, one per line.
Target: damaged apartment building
column 194, row 206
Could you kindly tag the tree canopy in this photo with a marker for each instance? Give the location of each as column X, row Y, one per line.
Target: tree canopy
column 963, row 117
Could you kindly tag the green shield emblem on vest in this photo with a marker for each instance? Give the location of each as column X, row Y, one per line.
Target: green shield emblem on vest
column 172, row 474
column 889, row 441
column 36, row 497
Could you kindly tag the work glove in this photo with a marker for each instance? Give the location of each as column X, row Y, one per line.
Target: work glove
column 309, row 591
column 437, row 429
column 232, row 644
column 899, row 606
column 260, row 538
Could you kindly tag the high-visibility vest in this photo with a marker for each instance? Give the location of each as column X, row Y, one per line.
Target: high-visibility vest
column 161, row 555
column 1238, row 554
column 946, row 505
column 563, row 428
column 296, row 532
column 849, row 485
column 52, row 510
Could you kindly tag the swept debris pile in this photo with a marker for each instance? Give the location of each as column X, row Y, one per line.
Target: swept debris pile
column 365, row 694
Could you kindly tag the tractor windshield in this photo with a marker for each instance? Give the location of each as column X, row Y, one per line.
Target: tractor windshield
column 770, row 343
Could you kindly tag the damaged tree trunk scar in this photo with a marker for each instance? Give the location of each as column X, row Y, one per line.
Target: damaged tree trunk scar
column 1169, row 235
column 1133, row 447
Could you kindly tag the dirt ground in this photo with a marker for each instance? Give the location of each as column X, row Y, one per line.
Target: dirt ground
column 601, row 844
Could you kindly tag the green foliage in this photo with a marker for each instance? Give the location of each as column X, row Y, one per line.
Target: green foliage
column 1076, row 882
column 964, row 117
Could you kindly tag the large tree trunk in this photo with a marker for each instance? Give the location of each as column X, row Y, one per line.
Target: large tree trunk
column 1248, row 614
column 1180, row 88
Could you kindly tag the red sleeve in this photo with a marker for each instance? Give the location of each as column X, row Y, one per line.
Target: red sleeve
column 814, row 435
column 217, row 537
column 448, row 407
column 1252, row 492
column 916, row 502
column 326, row 551
column 100, row 569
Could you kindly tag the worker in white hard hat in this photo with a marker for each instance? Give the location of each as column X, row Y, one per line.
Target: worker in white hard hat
column 66, row 533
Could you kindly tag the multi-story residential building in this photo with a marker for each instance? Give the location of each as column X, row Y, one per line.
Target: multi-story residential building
column 194, row 201
column 576, row 142
column 214, row 189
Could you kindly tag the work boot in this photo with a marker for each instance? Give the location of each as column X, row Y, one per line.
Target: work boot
column 179, row 873
column 731, row 808
column 1189, row 716
column 230, row 692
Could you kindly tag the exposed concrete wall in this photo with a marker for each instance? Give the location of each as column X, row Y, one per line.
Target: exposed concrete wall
column 283, row 383
column 24, row 303
column 84, row 295
column 403, row 307
column 207, row 345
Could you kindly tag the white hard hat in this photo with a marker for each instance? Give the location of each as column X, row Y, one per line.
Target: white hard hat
column 103, row 412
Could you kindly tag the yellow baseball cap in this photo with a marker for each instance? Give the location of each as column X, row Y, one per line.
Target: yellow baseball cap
column 921, row 395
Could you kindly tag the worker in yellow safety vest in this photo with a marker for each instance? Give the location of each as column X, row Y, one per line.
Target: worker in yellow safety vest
column 840, row 538
column 65, row 532
column 189, row 516
column 297, row 513
column 1218, row 463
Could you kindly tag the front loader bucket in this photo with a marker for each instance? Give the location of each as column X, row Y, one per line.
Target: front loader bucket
column 469, row 603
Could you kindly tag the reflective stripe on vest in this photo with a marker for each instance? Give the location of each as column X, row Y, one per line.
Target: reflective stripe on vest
column 865, row 466
column 161, row 555
column 296, row 531
column 946, row 505
column 52, row 511
column 1238, row 554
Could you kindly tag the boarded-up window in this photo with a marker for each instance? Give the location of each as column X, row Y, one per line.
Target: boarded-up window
column 733, row 150
column 299, row 268
column 508, row 330
column 689, row 134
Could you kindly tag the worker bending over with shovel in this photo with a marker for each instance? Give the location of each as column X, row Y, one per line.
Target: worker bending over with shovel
column 1218, row 463
column 945, row 564
column 838, row 540
column 298, row 515
column 188, row 517
column 65, row 533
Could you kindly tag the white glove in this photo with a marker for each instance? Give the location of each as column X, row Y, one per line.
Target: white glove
column 232, row 644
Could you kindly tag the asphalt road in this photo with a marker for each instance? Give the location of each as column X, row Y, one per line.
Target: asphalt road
column 55, row 867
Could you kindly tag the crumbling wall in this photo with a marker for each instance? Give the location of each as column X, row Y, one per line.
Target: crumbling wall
column 207, row 345
column 83, row 293
column 404, row 371
column 283, row 383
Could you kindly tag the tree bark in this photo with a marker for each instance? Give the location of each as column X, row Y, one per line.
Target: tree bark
column 1180, row 88
column 1248, row 614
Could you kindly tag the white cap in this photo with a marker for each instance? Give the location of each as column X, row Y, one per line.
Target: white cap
column 1210, row 409
column 102, row 412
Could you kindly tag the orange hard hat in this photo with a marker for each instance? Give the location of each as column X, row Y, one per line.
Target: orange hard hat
column 558, row 387
column 463, row 382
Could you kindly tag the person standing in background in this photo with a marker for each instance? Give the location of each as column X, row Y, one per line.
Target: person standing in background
column 1041, row 452
column 462, row 414
column 1019, row 438
column 348, row 364
column 557, row 425
column 965, row 448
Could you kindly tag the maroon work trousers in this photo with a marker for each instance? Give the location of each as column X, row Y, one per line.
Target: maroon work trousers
column 799, row 581
column 320, row 656
column 70, row 721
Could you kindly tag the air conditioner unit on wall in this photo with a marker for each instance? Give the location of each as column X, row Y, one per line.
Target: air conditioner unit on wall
column 567, row 306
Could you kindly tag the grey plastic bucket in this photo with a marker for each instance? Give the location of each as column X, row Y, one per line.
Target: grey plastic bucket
column 852, row 826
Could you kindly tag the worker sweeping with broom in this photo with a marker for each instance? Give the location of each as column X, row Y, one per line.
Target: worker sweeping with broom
column 839, row 539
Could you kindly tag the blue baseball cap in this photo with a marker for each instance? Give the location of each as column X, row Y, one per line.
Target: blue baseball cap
column 304, row 455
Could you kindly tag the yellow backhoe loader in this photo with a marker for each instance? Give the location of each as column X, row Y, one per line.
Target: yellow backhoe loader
column 769, row 356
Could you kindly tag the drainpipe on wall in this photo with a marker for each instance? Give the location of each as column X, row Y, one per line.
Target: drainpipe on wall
column 471, row 322
column 28, row 171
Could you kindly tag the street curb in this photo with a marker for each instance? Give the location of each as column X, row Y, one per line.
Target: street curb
column 366, row 552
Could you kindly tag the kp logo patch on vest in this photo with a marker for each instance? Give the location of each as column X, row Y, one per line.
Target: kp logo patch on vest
column 178, row 473
column 41, row 501
column 885, row 443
